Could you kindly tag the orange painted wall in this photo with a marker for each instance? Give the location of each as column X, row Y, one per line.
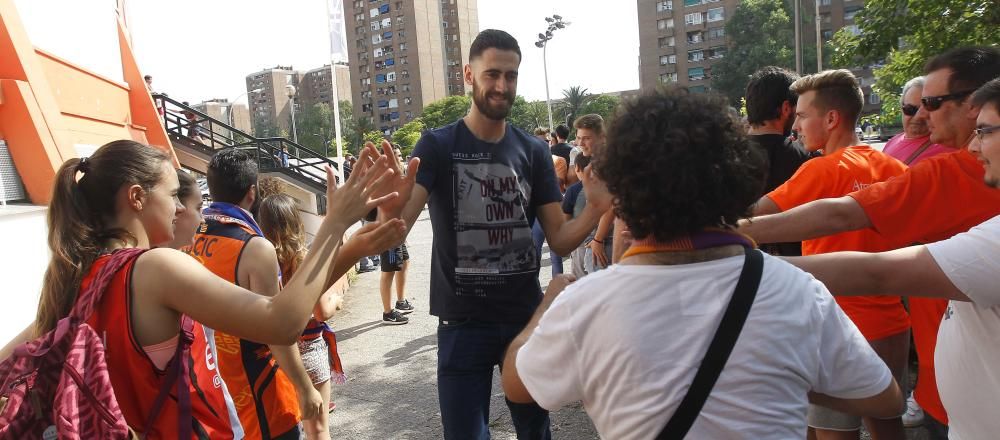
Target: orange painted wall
column 51, row 110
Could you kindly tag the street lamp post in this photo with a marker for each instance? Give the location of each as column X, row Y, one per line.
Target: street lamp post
column 555, row 22
column 291, row 102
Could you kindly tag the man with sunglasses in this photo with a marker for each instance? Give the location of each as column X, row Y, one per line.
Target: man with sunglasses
column 914, row 143
column 912, row 146
column 961, row 269
column 936, row 198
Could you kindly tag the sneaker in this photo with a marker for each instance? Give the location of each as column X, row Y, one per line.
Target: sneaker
column 914, row 415
column 404, row 306
column 394, row 318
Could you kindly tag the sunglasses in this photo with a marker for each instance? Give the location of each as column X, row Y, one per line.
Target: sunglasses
column 910, row 109
column 983, row 131
column 932, row 103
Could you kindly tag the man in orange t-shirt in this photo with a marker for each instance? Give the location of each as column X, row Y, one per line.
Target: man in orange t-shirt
column 828, row 108
column 933, row 201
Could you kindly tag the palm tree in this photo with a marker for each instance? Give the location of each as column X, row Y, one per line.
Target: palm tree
column 574, row 99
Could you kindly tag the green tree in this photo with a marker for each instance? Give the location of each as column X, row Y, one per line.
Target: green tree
column 315, row 128
column 445, row 111
column 374, row 137
column 408, row 135
column 574, row 100
column 604, row 105
column 528, row 115
column 902, row 35
column 349, row 130
column 762, row 34
column 264, row 128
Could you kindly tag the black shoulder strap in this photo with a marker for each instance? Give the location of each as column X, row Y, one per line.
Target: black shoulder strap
column 719, row 349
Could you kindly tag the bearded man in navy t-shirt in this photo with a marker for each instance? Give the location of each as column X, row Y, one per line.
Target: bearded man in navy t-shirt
column 486, row 181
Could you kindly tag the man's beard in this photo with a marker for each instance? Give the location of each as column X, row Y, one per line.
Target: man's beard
column 482, row 102
column 788, row 126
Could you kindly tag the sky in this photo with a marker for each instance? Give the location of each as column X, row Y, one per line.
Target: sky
column 200, row 50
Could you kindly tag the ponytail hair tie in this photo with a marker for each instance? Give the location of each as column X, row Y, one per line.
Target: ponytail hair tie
column 83, row 166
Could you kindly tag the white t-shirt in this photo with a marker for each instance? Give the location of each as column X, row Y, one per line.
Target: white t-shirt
column 967, row 357
column 628, row 340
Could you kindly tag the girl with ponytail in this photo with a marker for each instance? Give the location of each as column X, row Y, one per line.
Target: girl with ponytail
column 126, row 196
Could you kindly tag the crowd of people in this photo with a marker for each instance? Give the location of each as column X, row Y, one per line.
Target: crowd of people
column 672, row 319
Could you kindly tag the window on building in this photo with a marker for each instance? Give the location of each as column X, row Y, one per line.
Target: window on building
column 390, row 77
column 399, row 20
column 402, row 46
column 696, row 55
column 824, row 2
column 666, row 41
column 375, row 25
column 693, row 18
column 359, row 4
column 874, row 99
column 717, row 52
column 692, row 2
column 400, row 34
column 382, row 103
column 405, row 88
column 668, row 77
column 360, row 16
column 367, row 108
column 377, row 52
column 389, row 62
column 407, row 100
column 373, row 12
column 696, row 73
column 668, row 59
column 376, row 39
column 698, row 89
column 384, row 9
column 387, row 50
column 379, row 65
column 662, row 6
column 666, row 23
column 405, row 74
column 825, row 18
column 716, row 14
column 393, row 103
column 394, row 116
column 695, row 37
column 386, row 22
column 386, row 35
column 850, row 12
column 716, row 33
column 399, row 6
column 380, row 78
column 853, row 29
column 409, row 116
column 827, row 34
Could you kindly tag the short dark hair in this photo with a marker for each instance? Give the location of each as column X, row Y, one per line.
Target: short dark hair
column 835, row 90
column 493, row 39
column 581, row 162
column 562, row 131
column 592, row 122
column 231, row 173
column 989, row 93
column 147, row 77
column 767, row 90
column 679, row 164
column 971, row 67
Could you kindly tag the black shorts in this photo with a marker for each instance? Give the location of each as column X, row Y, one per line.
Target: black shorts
column 392, row 259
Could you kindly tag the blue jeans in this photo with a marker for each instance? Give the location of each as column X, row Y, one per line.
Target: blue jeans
column 467, row 352
column 538, row 236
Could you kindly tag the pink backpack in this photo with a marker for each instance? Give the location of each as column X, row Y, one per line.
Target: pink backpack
column 58, row 386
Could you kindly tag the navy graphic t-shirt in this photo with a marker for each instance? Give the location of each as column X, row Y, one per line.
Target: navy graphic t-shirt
column 483, row 199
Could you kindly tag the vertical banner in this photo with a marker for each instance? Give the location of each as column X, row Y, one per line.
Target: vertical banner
column 338, row 54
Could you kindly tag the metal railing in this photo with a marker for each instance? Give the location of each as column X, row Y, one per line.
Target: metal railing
column 197, row 130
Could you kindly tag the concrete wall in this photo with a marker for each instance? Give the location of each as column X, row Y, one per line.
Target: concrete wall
column 22, row 266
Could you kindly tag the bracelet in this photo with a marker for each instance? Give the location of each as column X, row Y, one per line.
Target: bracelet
column 597, row 241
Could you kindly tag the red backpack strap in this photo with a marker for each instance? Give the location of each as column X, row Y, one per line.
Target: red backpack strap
column 178, row 372
column 89, row 298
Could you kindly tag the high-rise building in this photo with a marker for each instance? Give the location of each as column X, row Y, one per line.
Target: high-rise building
column 681, row 40
column 235, row 114
column 405, row 54
column 267, row 94
column 315, row 86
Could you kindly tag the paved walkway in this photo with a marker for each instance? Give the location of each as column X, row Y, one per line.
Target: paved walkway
column 391, row 391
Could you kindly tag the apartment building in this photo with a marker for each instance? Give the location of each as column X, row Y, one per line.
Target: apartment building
column 681, row 40
column 405, row 54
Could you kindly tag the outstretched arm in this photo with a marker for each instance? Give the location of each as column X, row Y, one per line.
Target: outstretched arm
column 812, row 220
column 909, row 271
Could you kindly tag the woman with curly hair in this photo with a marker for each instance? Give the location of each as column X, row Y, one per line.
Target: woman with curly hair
column 281, row 223
column 628, row 340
